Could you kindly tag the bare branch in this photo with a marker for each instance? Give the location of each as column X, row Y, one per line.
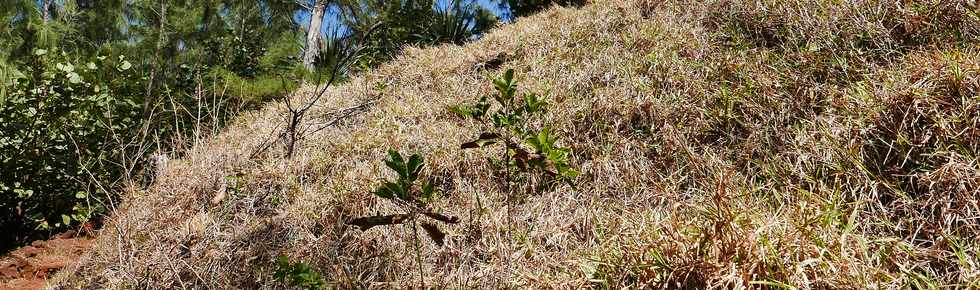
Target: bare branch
column 365, row 223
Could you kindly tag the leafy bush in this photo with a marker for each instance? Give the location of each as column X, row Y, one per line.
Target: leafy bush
column 60, row 120
column 457, row 22
column 413, row 23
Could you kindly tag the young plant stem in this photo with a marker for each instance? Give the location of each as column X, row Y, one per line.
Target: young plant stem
column 418, row 251
column 508, row 201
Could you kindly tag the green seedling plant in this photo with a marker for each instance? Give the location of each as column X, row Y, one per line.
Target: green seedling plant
column 527, row 152
column 412, row 194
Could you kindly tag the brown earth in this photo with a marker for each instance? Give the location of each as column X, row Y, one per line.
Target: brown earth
column 29, row 267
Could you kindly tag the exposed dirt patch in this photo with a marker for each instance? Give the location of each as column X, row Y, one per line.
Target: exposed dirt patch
column 29, row 267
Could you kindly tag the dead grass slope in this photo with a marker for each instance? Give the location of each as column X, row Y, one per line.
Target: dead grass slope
column 726, row 144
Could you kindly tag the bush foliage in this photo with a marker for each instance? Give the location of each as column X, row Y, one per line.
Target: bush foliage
column 59, row 121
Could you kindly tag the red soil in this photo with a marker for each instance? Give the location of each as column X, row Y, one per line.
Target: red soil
column 29, row 267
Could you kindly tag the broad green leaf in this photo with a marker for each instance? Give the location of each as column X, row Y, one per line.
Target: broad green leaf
column 535, row 142
column 543, row 142
column 500, row 84
column 505, row 87
column 388, row 190
column 396, row 163
column 414, row 167
column 481, row 107
column 532, row 103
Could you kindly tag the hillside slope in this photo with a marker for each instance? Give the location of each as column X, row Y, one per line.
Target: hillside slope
column 721, row 144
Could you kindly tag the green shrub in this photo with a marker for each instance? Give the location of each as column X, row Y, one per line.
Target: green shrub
column 59, row 122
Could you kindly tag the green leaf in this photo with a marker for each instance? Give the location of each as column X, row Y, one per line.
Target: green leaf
column 543, row 142
column 505, row 87
column 508, row 79
column 125, row 65
column 414, row 167
column 65, row 220
column 486, row 138
column 400, row 190
column 297, row 274
column 532, row 103
column 481, row 107
column 80, row 195
column 499, row 120
column 282, row 262
column 535, row 143
column 397, row 163
column 388, row 190
column 476, row 111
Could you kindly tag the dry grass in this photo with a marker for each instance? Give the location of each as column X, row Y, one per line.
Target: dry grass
column 729, row 144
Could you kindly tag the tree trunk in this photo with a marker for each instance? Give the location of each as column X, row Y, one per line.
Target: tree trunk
column 313, row 34
column 148, row 99
column 46, row 11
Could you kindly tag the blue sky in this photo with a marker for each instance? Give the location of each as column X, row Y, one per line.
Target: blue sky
column 330, row 21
